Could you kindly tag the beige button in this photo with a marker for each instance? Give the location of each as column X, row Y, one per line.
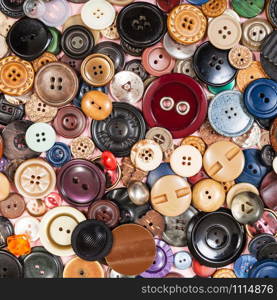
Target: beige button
column 5, row 187
column 274, row 164
column 227, row 185
column 5, row 24
column 171, row 195
column 3, row 47
column 196, row 142
column 239, row 188
column 240, row 57
column 208, row 195
column 224, row 32
column 120, row 2
column 18, row 100
column 161, row 136
column 110, row 32
column 36, row 207
column 186, row 161
column 224, row 273
column 56, row 229
column 82, row 147
column 223, row 161
column 44, row 59
column 29, row 226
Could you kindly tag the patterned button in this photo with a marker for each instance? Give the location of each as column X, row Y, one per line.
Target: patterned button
column 214, row 8
column 224, row 273
column 248, row 8
column 240, row 57
column 196, row 142
column 44, row 59
column 184, row 67
column 82, row 147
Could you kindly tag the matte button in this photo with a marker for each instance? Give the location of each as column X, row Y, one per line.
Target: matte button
column 13, row 206
column 182, row 260
column 259, row 241
column 28, row 226
column 240, row 57
column 12, row 9
column 9, row 112
column 5, row 187
column 267, row 156
column 248, row 9
column 268, row 251
column 82, row 147
column 214, row 8
column 185, row 67
column 10, row 266
column 42, row 60
column 268, row 55
column 136, row 66
column 201, row 270
column 162, row 170
column 6, row 230
column 58, row 155
column 73, row 63
column 264, row 269
column 224, row 273
column 268, row 190
column 36, row 207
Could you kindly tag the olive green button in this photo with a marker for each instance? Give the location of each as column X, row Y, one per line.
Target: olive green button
column 248, row 8
column 54, row 46
column 216, row 90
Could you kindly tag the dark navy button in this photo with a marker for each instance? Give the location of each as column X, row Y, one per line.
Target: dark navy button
column 12, row 9
column 28, row 38
column 58, row 155
column 264, row 269
column 162, row 170
column 136, row 66
column 254, row 170
column 211, row 65
column 259, row 241
column 6, row 230
column 268, row 251
column 269, row 55
column 267, row 155
column 182, row 260
column 243, row 265
column 227, row 114
column 10, row 266
column 10, row 112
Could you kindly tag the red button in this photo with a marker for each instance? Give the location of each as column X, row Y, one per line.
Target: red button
column 167, row 5
column 201, row 270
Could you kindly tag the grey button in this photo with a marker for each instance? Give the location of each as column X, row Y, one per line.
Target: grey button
column 161, row 136
column 184, row 67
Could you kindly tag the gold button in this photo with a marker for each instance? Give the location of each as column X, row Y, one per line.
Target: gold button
column 44, row 59
column 240, row 57
column 196, row 142
column 224, row 273
column 214, row 8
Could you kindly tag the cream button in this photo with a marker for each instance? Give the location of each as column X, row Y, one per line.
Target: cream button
column 29, row 226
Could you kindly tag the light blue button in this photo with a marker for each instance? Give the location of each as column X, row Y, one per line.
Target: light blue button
column 182, row 260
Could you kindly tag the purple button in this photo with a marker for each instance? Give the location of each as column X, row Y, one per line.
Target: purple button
column 3, row 163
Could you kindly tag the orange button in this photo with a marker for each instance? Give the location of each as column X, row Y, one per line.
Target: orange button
column 44, row 59
column 196, row 142
column 224, row 273
column 5, row 187
column 18, row 244
column 214, row 8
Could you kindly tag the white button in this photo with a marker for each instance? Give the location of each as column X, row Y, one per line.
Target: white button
column 29, row 226
column 3, row 47
column 274, row 164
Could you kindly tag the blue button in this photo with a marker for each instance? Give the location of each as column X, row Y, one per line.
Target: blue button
column 182, row 260
column 58, row 155
column 264, row 269
column 163, row 170
column 228, row 115
column 197, row 2
column 243, row 265
column 260, row 98
column 254, row 170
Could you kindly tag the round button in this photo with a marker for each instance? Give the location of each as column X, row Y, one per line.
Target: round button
column 82, row 147
column 58, row 155
column 214, row 8
column 216, row 90
column 240, row 57
column 249, row 139
column 182, row 260
column 136, row 66
column 185, row 67
column 196, row 142
column 29, row 226
column 110, row 32
column 271, row 12
column 167, row 6
column 268, row 156
column 268, row 251
column 13, row 206
column 138, row 192
column 273, row 134
column 201, row 270
column 54, row 46
column 53, row 200
column 267, row 190
column 248, row 9
column 5, row 187
column 224, row 273
column 264, row 269
column 6, row 230
column 42, row 60
column 160, row 136
column 4, row 47
column 10, row 265
column 12, row 9
column 36, row 207
column 259, row 241
column 162, row 170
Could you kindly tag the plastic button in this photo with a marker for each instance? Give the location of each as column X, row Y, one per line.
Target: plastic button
column 58, row 155
column 182, row 260
column 28, row 226
column 13, row 206
column 248, row 9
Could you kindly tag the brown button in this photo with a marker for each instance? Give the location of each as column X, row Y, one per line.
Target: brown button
column 82, row 147
column 171, row 195
column 79, row 268
column 223, row 161
column 18, row 100
column 224, row 273
column 73, row 63
column 69, row 122
column 240, row 57
column 35, row 178
column 196, row 142
column 173, row 275
column 130, row 173
column 208, row 195
column 12, row 167
column 36, row 207
column 133, row 249
column 44, row 59
column 186, row 24
column 13, row 206
column 273, row 134
column 56, row 84
column 38, row 111
column 227, row 185
column 1, row 146
column 152, row 221
column 110, row 32
column 96, row 105
column 105, row 211
column 97, row 69
column 16, row 76
column 214, row 8
column 5, row 187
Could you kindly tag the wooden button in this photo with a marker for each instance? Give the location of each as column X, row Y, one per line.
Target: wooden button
column 186, row 24
column 5, row 187
column 214, row 8
column 240, row 57
column 196, row 142
column 273, row 134
column 223, row 161
column 82, row 147
column 13, row 206
column 16, row 76
column 97, row 69
column 44, row 59
column 171, row 195
column 224, row 273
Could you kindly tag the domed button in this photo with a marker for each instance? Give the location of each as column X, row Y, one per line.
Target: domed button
column 224, row 273
column 182, row 260
column 28, row 226
column 264, row 269
column 202, row 270
column 10, row 266
column 268, row 190
column 248, row 9
column 58, row 155
column 6, row 230
column 13, row 206
column 5, row 187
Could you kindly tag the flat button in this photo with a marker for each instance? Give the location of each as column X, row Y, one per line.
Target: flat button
column 268, row 251
column 271, row 12
column 36, row 207
column 53, row 200
column 13, row 206
column 167, row 6
column 214, row 8
column 223, row 161
column 208, row 195
column 259, row 241
column 5, row 187
column 110, row 32
column 268, row 190
column 9, row 112
column 224, row 273
column 240, row 57
column 196, row 142
column 42, row 60
column 136, row 66
column 182, row 260
column 10, row 266
column 6, row 230
column 58, row 155
column 162, row 170
column 160, row 136
column 273, row 134
column 29, row 226
column 268, row 156
column 54, row 46
column 4, row 47
column 249, row 139
column 171, row 195
column 82, row 147
column 248, row 9
column 202, row 270
column 186, row 24
column 264, row 269
column 184, row 67
column 35, row 178
column 12, row 9
column 73, row 63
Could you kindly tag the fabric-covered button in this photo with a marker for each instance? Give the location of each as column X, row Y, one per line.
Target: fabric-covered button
column 268, row 190
column 82, row 147
column 240, row 57
column 182, row 260
column 248, row 9
column 259, row 241
column 28, row 226
column 214, row 8
column 36, row 207
column 10, row 266
column 58, row 155
column 13, row 206
column 5, row 187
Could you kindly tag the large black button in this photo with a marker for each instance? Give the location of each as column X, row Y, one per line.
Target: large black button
column 12, row 9
column 215, row 239
column 9, row 112
column 120, row 131
column 269, row 55
column 77, row 42
column 141, row 24
column 264, row 123
column 6, row 230
column 10, row 267
column 259, row 241
column 272, row 12
column 28, row 38
column 268, row 251
column 129, row 49
column 136, row 66
column 211, row 65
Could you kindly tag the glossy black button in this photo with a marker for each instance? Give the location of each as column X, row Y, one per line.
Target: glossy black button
column 114, row 51
column 264, row 123
column 272, row 12
column 42, row 264
column 9, row 112
column 268, row 251
column 28, row 38
column 269, row 55
column 267, row 155
column 129, row 49
column 6, row 230
column 211, row 65
column 215, row 239
column 259, row 241
column 77, row 42
column 120, row 131
column 92, row 240
column 12, row 9
column 136, row 66
column 10, row 266
column 141, row 24
column 129, row 212
column 14, row 141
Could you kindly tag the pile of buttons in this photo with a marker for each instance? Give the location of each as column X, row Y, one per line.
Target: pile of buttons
column 138, row 139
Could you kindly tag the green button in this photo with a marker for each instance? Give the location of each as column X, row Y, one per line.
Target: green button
column 216, row 90
column 54, row 46
column 248, row 8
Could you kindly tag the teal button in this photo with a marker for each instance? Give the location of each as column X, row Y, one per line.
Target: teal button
column 216, row 90
column 248, row 8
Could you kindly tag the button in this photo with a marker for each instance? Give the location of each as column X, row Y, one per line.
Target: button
column 176, row 228
column 259, row 241
column 54, row 46
column 35, row 178
column 160, row 136
column 201, row 270
column 3, row 161
column 73, row 63
column 6, row 230
column 111, row 32
column 120, row 131
column 240, row 57
column 273, row 134
column 4, row 47
column 223, row 161
column 173, row 275
column 12, row 9
column 171, row 195
column 53, row 200
column 268, row 55
column 136, row 66
column 10, row 265
column 5, row 187
column 13, row 206
column 163, row 261
column 268, row 251
column 248, row 9
column 28, row 226
column 42, row 60
column 248, row 139
column 130, row 260
column 113, row 274
column 79, row 268
column 69, row 122
column 82, row 147
column 138, row 192
column 5, row 23
column 18, row 100
column 131, row 50
column 56, row 84
column 264, row 139
column 199, row 176
column 264, row 269
column 162, row 170
column 130, row 172
column 164, row 104
column 216, row 90
column 167, row 6
column 9, row 112
column 271, row 12
column 209, row 237
column 186, row 24
column 208, row 195
column 224, row 273
column 182, row 260
column 267, row 155
column 196, row 142
column 17, row 76
column 19, row 244
column 184, row 67
column 211, row 65
column 214, row 8
column 254, row 31
column 264, row 124
column 58, row 155
column 56, row 228
column 267, row 190
column 274, row 165
column 36, row 207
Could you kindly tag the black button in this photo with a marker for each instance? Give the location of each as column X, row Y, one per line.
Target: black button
column 136, row 66
column 11, row 8
column 215, row 239
column 141, row 24
column 28, row 38
column 268, row 251
column 211, row 65
column 9, row 112
column 272, row 12
column 6, row 230
column 114, row 51
column 14, row 141
column 129, row 212
column 120, row 131
column 77, row 42
column 92, row 240
column 264, row 123
column 259, row 241
column 267, row 155
column 129, row 49
column 269, row 55
column 10, row 267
